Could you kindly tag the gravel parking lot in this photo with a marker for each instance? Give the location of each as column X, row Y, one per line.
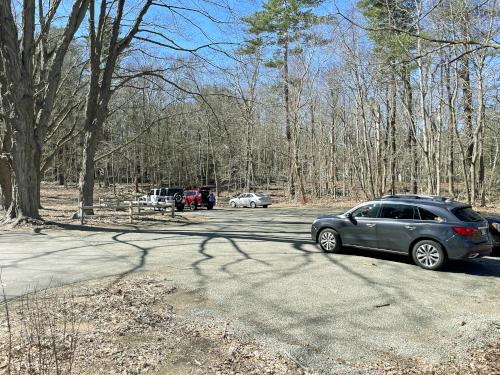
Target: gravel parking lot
column 258, row 269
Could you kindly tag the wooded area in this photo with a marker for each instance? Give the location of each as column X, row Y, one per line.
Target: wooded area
column 360, row 100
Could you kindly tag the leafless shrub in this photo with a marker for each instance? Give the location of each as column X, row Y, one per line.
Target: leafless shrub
column 40, row 334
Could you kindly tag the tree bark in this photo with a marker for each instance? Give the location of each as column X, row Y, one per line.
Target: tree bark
column 288, row 128
column 16, row 72
column 467, row 107
column 451, row 129
column 5, row 183
column 87, row 174
column 392, row 130
column 412, row 131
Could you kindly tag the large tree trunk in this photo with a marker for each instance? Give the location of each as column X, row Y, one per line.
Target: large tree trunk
column 87, row 174
column 297, row 169
column 288, row 128
column 18, row 101
column 24, row 176
column 5, row 183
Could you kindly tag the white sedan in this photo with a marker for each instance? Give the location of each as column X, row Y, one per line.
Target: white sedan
column 251, row 200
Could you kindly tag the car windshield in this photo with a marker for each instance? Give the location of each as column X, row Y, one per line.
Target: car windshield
column 467, row 214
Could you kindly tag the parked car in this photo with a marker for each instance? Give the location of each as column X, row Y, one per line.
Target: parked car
column 251, row 200
column 158, row 196
column 429, row 229
column 494, row 227
column 196, row 198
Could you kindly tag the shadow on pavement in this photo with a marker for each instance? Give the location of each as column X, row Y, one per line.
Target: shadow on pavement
column 489, row 266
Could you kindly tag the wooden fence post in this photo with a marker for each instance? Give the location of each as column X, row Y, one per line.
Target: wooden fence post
column 82, row 212
column 172, row 212
column 130, row 211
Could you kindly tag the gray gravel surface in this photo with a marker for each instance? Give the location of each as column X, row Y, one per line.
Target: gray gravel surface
column 259, row 270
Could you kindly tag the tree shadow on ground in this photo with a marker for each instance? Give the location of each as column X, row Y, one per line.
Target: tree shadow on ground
column 489, row 266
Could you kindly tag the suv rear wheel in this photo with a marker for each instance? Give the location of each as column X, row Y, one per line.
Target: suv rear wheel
column 329, row 241
column 428, row 254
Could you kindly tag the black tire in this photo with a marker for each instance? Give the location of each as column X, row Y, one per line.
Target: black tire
column 193, row 206
column 265, row 206
column 233, row 204
column 329, row 241
column 180, row 208
column 428, row 254
column 253, row 205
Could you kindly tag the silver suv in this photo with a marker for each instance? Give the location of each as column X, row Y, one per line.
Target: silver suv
column 430, row 229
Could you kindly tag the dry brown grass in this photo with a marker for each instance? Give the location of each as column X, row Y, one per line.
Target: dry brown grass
column 127, row 326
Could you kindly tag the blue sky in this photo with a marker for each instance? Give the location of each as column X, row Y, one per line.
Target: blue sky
column 230, row 31
column 189, row 33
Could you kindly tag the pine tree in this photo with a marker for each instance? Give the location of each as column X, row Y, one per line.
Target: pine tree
column 283, row 26
column 386, row 18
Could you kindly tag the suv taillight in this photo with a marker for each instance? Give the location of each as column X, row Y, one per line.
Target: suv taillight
column 465, row 231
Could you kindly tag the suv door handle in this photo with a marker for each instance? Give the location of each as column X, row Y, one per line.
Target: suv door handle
column 410, row 227
column 370, row 225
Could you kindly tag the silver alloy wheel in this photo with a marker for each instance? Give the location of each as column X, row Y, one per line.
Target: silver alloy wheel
column 428, row 255
column 328, row 241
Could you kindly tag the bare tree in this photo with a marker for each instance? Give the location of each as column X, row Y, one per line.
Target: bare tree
column 30, row 73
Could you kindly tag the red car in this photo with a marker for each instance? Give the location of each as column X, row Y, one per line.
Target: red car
column 201, row 197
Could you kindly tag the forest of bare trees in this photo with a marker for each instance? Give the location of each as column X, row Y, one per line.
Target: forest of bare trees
column 322, row 99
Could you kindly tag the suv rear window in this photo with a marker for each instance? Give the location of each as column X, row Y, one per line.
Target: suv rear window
column 466, row 214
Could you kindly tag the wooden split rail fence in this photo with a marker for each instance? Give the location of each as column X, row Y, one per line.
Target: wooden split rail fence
column 124, row 205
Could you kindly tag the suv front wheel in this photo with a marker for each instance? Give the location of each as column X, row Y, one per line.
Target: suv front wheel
column 329, row 241
column 428, row 254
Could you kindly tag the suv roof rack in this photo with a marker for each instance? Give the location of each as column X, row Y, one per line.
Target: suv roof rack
column 436, row 198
